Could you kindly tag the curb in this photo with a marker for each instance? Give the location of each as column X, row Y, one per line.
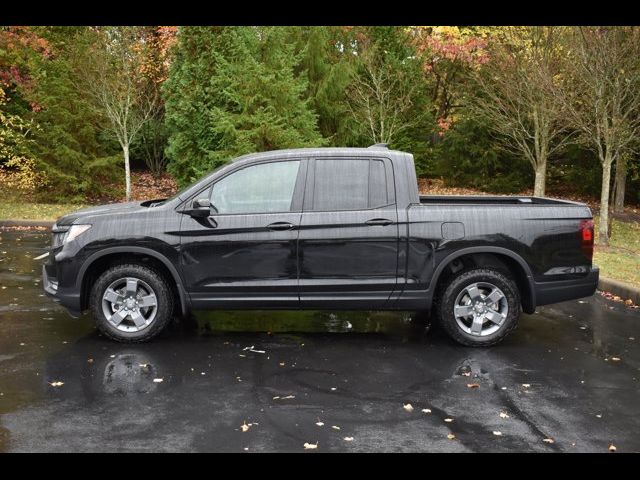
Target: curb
column 26, row 223
column 621, row 289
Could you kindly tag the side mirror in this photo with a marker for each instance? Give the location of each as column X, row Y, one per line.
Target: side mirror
column 201, row 207
column 201, row 203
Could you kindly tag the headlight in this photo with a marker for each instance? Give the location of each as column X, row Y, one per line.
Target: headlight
column 74, row 231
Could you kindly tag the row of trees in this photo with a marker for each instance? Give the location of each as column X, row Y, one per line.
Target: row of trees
column 499, row 106
column 545, row 87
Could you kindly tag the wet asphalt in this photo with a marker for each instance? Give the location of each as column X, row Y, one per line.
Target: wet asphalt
column 275, row 381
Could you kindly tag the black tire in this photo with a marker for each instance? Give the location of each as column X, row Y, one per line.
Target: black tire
column 163, row 296
column 446, row 300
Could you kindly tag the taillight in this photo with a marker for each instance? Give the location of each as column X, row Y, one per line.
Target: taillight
column 586, row 233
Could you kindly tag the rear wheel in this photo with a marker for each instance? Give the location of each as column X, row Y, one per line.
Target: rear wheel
column 131, row 303
column 479, row 307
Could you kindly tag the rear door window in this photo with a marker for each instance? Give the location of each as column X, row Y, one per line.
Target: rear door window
column 349, row 184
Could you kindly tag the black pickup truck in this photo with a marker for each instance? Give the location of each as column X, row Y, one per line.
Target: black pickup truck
column 326, row 228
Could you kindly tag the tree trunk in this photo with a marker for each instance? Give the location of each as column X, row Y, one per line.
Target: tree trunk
column 619, row 185
column 127, row 171
column 603, row 227
column 541, row 178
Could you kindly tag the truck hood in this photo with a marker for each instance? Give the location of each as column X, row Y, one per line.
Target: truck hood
column 108, row 209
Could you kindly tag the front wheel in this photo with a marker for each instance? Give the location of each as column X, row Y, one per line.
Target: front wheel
column 479, row 307
column 131, row 303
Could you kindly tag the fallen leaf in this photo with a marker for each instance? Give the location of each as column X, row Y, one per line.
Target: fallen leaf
column 497, row 433
column 612, row 447
column 56, row 384
column 310, row 446
column 451, row 436
column 548, row 440
column 408, row 407
column 348, row 439
column 426, row 410
column 473, row 385
column 448, row 420
column 158, row 380
column 504, row 415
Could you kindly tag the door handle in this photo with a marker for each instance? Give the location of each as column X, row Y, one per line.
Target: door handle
column 278, row 226
column 379, row 222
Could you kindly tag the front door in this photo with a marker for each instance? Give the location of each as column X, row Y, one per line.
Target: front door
column 348, row 242
column 245, row 252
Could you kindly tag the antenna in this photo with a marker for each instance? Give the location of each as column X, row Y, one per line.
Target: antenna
column 384, row 146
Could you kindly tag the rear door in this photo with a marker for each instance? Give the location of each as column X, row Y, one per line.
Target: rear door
column 348, row 241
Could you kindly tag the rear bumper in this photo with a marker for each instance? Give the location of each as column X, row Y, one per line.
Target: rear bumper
column 70, row 300
column 563, row 290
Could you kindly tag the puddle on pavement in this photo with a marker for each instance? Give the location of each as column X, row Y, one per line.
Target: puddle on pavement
column 33, row 329
column 40, row 343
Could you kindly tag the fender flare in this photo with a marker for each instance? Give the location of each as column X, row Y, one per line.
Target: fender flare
column 185, row 303
column 528, row 308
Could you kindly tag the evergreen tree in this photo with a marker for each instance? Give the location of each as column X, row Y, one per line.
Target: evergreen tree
column 234, row 90
column 69, row 148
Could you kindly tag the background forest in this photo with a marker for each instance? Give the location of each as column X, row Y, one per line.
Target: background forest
column 546, row 110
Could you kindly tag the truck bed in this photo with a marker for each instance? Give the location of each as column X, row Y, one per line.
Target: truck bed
column 491, row 200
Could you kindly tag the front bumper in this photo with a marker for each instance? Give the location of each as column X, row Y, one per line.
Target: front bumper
column 69, row 300
column 563, row 290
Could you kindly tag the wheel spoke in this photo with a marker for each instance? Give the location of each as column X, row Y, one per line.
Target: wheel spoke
column 463, row 310
column 132, row 287
column 476, row 326
column 112, row 296
column 494, row 317
column 474, row 293
column 118, row 317
column 495, row 296
column 148, row 301
column 138, row 319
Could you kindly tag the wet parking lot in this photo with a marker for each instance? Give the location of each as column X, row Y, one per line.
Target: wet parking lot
column 566, row 380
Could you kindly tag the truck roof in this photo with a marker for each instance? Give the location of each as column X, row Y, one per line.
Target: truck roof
column 320, row 152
